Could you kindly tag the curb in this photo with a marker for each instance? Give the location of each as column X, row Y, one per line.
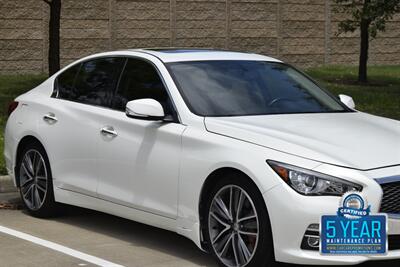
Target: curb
column 7, row 184
column 5, row 178
column 9, row 195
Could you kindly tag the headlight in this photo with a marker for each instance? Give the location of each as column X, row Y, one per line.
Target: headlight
column 310, row 183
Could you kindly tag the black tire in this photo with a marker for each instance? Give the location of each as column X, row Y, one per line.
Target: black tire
column 46, row 207
column 263, row 251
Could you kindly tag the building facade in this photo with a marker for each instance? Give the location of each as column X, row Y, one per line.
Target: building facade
column 302, row 32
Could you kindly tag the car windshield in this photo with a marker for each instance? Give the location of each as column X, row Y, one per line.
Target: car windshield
column 240, row 88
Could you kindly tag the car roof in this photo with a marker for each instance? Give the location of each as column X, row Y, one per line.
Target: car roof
column 197, row 54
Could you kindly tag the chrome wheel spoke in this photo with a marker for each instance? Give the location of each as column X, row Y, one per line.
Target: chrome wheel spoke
column 26, row 171
column 38, row 166
column 239, row 205
column 244, row 249
column 34, row 159
column 221, row 209
column 226, row 246
column 223, row 232
column 32, row 195
column 231, row 202
column 41, row 178
column 233, row 226
column 235, row 251
column 247, row 218
column 33, row 176
column 247, row 233
column 28, row 164
column 41, row 188
column 25, row 194
column 213, row 215
column 37, row 197
column 27, row 182
column 42, row 183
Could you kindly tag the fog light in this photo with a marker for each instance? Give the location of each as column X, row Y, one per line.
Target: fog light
column 311, row 238
column 313, row 242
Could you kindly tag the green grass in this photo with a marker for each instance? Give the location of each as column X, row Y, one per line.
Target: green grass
column 380, row 97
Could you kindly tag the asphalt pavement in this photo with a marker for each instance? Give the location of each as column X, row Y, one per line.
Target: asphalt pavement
column 81, row 237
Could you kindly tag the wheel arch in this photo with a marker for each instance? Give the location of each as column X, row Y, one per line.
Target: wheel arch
column 26, row 140
column 208, row 185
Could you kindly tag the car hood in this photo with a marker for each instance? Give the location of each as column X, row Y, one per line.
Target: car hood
column 351, row 139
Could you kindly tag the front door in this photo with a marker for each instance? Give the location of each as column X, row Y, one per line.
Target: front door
column 138, row 160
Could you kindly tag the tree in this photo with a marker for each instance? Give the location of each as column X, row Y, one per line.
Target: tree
column 54, row 35
column 369, row 16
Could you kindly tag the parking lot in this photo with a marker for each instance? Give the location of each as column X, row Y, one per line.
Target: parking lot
column 115, row 240
column 81, row 237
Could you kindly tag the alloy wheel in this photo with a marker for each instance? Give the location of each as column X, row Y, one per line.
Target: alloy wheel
column 233, row 226
column 33, row 179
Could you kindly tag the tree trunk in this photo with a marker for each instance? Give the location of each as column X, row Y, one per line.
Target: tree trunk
column 54, row 36
column 362, row 69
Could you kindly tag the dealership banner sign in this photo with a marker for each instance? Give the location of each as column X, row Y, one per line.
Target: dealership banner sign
column 353, row 230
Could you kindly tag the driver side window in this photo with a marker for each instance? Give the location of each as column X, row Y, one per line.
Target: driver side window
column 141, row 80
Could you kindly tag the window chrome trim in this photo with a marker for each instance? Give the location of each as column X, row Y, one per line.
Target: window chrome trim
column 126, row 57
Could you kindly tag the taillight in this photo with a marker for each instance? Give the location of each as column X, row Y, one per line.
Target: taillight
column 12, row 106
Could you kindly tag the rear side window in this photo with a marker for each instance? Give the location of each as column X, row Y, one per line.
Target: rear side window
column 96, row 81
column 92, row 82
column 65, row 83
column 141, row 80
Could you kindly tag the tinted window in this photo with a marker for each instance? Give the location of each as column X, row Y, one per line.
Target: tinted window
column 237, row 88
column 92, row 82
column 96, row 81
column 65, row 83
column 141, row 80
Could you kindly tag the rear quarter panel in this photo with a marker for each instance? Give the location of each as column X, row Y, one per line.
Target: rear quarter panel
column 23, row 122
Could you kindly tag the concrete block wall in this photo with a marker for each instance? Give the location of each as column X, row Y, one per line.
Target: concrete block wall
column 302, row 32
column 21, row 36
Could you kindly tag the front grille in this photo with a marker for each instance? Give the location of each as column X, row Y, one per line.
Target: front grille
column 391, row 198
column 394, row 242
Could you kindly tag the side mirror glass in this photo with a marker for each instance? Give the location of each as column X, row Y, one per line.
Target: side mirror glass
column 145, row 109
column 348, row 101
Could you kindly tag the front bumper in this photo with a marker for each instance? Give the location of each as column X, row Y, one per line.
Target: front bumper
column 291, row 214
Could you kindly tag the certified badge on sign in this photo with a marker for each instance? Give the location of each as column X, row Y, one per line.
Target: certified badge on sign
column 354, row 231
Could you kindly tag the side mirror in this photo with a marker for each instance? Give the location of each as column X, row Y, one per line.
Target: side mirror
column 145, row 109
column 348, row 101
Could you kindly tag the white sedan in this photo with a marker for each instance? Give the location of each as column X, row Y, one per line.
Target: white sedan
column 240, row 153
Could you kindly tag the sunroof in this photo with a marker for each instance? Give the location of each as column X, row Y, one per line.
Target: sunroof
column 182, row 50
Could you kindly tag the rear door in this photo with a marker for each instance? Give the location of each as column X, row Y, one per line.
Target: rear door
column 70, row 121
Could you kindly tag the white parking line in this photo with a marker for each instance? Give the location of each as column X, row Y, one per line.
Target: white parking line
column 59, row 248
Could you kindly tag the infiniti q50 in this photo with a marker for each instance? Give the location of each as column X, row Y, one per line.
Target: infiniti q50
column 241, row 153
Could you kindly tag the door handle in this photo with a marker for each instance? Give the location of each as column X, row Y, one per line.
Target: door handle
column 50, row 118
column 108, row 130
